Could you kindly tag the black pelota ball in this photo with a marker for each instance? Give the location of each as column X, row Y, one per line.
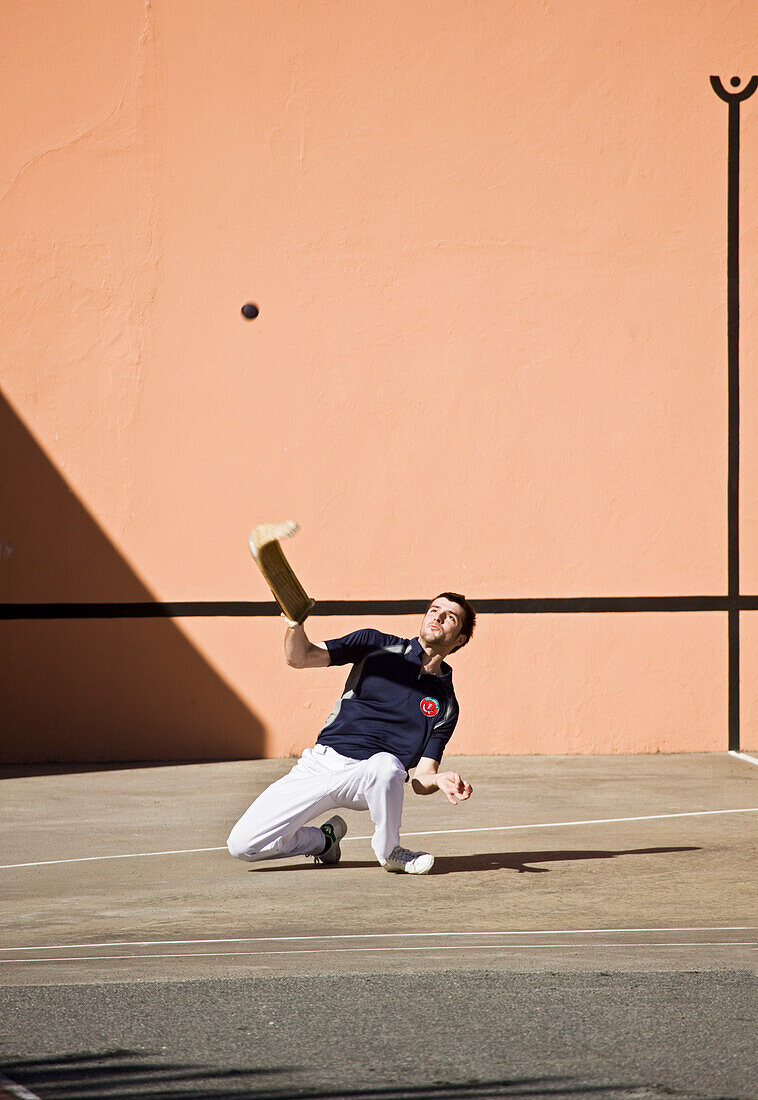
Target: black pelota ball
column 250, row 311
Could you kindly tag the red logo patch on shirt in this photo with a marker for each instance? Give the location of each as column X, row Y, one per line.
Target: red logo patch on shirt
column 430, row 707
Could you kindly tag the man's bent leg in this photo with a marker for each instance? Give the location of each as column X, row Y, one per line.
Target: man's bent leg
column 274, row 827
column 384, row 790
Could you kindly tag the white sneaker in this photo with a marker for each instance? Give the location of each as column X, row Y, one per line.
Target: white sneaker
column 334, row 830
column 401, row 861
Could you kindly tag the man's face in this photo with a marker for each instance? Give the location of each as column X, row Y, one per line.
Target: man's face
column 441, row 625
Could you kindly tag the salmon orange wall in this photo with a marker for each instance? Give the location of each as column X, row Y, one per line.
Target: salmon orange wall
column 488, row 243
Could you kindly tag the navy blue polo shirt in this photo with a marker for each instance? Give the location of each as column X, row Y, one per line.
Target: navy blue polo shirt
column 389, row 704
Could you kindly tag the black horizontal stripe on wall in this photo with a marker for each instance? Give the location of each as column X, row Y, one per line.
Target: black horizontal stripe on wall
column 328, row 608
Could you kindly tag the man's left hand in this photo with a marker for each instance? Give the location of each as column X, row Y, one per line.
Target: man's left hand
column 453, row 787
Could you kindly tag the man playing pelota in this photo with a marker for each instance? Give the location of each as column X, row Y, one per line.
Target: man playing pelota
column 397, row 712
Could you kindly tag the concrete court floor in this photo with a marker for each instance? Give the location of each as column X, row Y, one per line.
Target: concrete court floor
column 514, row 887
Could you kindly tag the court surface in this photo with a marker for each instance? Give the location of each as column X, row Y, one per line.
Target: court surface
column 573, row 899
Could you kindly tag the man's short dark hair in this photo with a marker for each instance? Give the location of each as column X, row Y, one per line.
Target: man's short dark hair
column 469, row 614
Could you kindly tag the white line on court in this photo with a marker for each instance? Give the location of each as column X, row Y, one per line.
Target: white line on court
column 743, row 756
column 388, row 936
column 376, row 950
column 121, row 855
column 10, row 1088
column 432, row 832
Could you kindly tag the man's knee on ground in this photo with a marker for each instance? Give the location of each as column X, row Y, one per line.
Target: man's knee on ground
column 384, row 768
column 238, row 846
column 243, row 846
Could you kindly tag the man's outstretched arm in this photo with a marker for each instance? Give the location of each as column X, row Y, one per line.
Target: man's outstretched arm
column 427, row 779
column 300, row 651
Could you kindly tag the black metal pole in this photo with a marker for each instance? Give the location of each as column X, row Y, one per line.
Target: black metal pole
column 733, row 99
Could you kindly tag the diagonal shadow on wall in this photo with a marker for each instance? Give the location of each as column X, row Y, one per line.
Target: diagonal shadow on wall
column 94, row 689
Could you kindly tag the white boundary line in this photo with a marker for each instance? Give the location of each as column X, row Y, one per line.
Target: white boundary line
column 386, row 936
column 743, row 756
column 432, row 832
column 375, row 950
column 12, row 1089
column 125, row 855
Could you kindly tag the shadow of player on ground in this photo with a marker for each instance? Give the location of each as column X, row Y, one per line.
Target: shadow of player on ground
column 484, row 861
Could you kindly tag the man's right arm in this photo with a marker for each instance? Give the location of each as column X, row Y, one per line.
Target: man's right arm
column 301, row 652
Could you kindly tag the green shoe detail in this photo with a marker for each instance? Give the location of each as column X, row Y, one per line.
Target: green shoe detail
column 334, row 829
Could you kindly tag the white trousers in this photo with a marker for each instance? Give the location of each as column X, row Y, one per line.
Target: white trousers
column 276, row 826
